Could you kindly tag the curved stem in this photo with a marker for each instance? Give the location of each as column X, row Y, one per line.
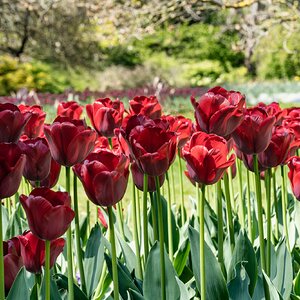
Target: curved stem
column 242, row 207
column 170, row 232
column 77, row 236
column 2, row 289
column 113, row 253
column 181, row 190
column 161, row 240
column 47, row 270
column 284, row 207
column 145, row 218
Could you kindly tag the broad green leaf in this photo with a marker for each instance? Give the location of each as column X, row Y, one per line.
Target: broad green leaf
column 297, row 284
column 215, row 283
column 15, row 225
column 182, row 256
column 93, row 259
column 271, row 289
column 54, row 295
column 238, row 287
column 244, row 252
column 135, row 295
column 152, row 280
column 84, row 230
column 19, row 289
column 259, row 292
column 184, row 293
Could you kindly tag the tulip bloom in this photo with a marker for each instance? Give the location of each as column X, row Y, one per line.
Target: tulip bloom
column 12, row 123
column 105, row 115
column 69, row 109
column 274, row 109
column 70, row 141
column 254, row 134
column 248, row 161
column 294, row 175
column 206, row 157
column 34, row 127
column 104, row 176
column 219, row 111
column 12, row 261
column 147, row 106
column 33, row 251
column 49, row 214
column 12, row 163
column 38, row 158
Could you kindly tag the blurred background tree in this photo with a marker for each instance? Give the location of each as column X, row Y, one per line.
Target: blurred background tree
column 50, row 45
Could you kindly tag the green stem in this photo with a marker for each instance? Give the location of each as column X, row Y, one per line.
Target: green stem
column 229, row 174
column 69, row 245
column 173, row 183
column 88, row 212
column 145, row 217
column 242, row 207
column 259, row 213
column 113, row 253
column 154, row 217
column 37, row 279
column 249, row 210
column 275, row 203
column 284, row 206
column 47, row 269
column 2, row 289
column 181, row 190
column 201, row 202
column 268, row 176
column 135, row 235
column 120, row 219
column 161, row 240
column 170, row 232
column 229, row 211
column 138, row 207
column 77, row 236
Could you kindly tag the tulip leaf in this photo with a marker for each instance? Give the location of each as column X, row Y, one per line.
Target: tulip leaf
column 244, row 252
column 271, row 289
column 182, row 256
column 5, row 219
column 15, row 225
column 215, row 283
column 55, row 295
column 19, row 289
column 184, row 293
column 84, row 230
column 284, row 277
column 238, row 287
column 134, row 295
column 93, row 259
column 297, row 284
column 259, row 291
column 152, row 279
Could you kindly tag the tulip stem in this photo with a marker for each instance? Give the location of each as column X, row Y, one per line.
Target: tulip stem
column 161, row 240
column 259, row 213
column 113, row 253
column 181, row 190
column 77, row 235
column 268, row 177
column 249, row 210
column 145, row 217
column 233, row 204
column 170, row 232
column 275, row 203
column 154, row 218
column 2, row 290
column 69, row 245
column 201, row 202
column 47, row 269
column 229, row 211
column 242, row 207
column 284, row 206
column 88, row 212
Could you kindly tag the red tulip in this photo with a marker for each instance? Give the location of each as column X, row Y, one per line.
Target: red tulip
column 70, row 141
column 101, row 218
column 255, row 132
column 102, row 142
column 278, row 150
column 219, row 111
column 33, row 251
column 106, row 115
column 48, row 213
column 12, row 163
column 70, row 109
column 294, row 175
column 12, row 261
column 12, row 123
column 274, row 109
column 38, row 158
column 138, row 179
column 34, row 127
column 248, row 161
column 206, row 157
column 104, row 176
column 147, row 106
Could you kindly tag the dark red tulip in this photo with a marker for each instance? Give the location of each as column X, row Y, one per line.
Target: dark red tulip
column 219, row 111
column 38, row 158
column 33, row 251
column 294, row 175
column 248, row 161
column 102, row 142
column 278, row 150
column 12, row 261
column 206, row 157
column 70, row 109
column 106, row 115
column 70, row 141
column 12, row 123
column 48, row 213
column 34, row 127
column 274, row 109
column 104, row 176
column 138, row 179
column 147, row 106
column 254, row 134
column 12, row 163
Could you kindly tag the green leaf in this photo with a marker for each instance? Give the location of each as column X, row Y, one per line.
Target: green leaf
column 54, row 295
column 93, row 259
column 215, row 283
column 238, row 287
column 152, row 279
column 297, row 284
column 244, row 252
column 135, row 295
column 182, row 256
column 5, row 220
column 259, row 292
column 184, row 293
column 84, row 230
column 19, row 289
column 15, row 225
column 272, row 291
column 284, row 277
